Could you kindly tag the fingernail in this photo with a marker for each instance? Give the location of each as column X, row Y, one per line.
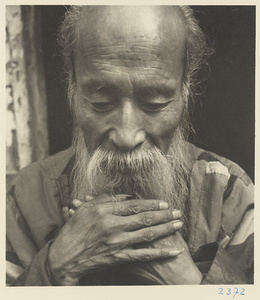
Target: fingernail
column 176, row 251
column 176, row 214
column 71, row 211
column 163, row 205
column 177, row 225
column 76, row 202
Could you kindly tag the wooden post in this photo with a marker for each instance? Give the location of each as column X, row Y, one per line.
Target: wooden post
column 27, row 130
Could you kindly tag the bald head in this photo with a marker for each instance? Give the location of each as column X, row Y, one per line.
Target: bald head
column 131, row 28
column 130, row 22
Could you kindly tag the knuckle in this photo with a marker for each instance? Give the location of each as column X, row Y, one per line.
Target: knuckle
column 154, row 205
column 98, row 211
column 148, row 235
column 103, row 225
column 118, row 208
column 164, row 254
column 113, row 242
column 146, row 219
column 134, row 207
column 122, row 256
column 121, row 210
column 117, row 242
column 146, row 257
column 119, row 256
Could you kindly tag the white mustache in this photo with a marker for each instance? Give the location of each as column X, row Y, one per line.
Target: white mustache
column 125, row 163
column 146, row 171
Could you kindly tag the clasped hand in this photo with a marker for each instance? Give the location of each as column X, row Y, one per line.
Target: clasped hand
column 102, row 233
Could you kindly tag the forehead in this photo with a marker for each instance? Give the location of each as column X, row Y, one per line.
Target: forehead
column 129, row 22
column 132, row 37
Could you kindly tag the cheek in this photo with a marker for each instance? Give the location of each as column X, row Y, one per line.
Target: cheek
column 161, row 128
column 93, row 126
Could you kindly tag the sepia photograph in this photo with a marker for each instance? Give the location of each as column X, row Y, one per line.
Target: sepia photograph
column 130, row 145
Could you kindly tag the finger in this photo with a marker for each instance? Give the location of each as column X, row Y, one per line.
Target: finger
column 105, row 198
column 105, row 201
column 76, row 203
column 177, row 214
column 89, row 198
column 143, row 255
column 65, row 212
column 131, row 207
column 121, row 197
column 112, row 198
column 71, row 212
column 147, row 219
column 150, row 233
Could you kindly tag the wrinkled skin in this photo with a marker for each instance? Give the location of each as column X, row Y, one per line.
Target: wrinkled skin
column 176, row 270
column 128, row 68
column 101, row 233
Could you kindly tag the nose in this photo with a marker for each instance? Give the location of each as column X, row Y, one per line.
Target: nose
column 127, row 134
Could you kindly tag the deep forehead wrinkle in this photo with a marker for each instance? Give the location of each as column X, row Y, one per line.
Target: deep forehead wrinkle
column 125, row 50
column 134, row 57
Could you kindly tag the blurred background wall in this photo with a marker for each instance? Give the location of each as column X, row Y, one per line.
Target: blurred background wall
column 38, row 119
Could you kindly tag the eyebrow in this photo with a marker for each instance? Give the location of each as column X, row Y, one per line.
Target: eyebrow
column 93, row 85
column 166, row 89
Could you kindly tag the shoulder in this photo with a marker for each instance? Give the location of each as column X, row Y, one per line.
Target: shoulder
column 220, row 183
column 221, row 196
column 39, row 175
column 210, row 162
column 34, row 201
column 51, row 167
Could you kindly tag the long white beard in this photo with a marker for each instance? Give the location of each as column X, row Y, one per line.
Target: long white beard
column 143, row 173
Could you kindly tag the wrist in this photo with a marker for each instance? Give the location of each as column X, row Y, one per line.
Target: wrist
column 58, row 275
column 181, row 269
column 190, row 273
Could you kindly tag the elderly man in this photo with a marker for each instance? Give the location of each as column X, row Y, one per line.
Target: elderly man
column 131, row 202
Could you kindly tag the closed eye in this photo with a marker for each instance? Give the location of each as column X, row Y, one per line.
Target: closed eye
column 102, row 106
column 154, row 107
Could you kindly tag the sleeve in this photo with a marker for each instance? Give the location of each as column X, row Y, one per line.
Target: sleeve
column 229, row 258
column 25, row 265
column 33, row 219
column 36, row 273
column 233, row 262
